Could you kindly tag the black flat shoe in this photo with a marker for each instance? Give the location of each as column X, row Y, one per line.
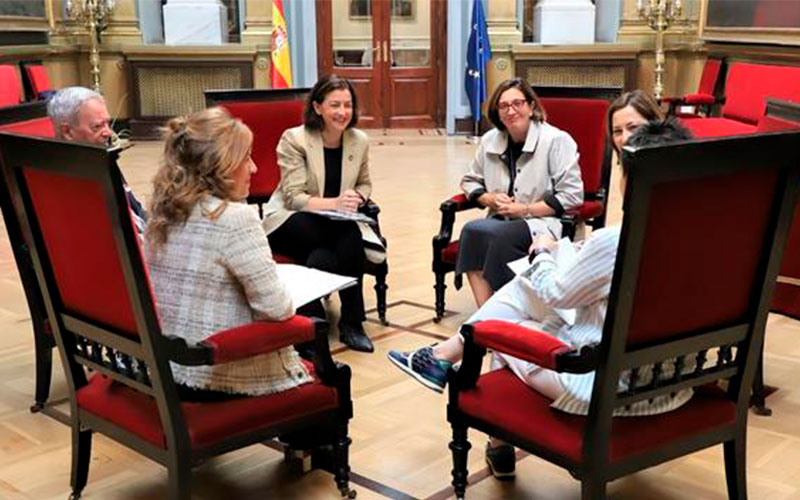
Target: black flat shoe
column 355, row 338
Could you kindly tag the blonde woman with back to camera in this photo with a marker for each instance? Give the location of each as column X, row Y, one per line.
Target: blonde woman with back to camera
column 210, row 264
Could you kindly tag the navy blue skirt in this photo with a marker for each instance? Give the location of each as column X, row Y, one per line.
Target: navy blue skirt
column 489, row 244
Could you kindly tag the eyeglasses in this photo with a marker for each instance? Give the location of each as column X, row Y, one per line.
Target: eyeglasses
column 517, row 104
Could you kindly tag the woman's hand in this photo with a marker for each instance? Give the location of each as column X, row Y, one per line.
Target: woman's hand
column 542, row 241
column 512, row 209
column 348, row 201
column 492, row 201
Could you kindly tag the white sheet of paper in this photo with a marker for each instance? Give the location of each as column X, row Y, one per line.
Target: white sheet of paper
column 565, row 255
column 306, row 284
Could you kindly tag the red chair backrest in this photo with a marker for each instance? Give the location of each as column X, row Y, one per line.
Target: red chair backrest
column 709, row 77
column 268, row 120
column 585, row 121
column 667, row 301
column 37, row 76
column 749, row 85
column 10, row 87
column 78, row 232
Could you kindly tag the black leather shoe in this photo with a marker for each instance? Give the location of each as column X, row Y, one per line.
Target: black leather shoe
column 501, row 460
column 355, row 338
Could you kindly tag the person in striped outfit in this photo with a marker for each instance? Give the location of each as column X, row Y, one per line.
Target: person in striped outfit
column 532, row 298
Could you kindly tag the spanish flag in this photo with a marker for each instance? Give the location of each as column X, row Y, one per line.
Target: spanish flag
column 281, row 68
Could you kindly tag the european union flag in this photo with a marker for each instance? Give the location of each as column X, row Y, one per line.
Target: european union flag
column 478, row 54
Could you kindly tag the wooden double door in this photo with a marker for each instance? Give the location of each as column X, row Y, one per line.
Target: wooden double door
column 394, row 52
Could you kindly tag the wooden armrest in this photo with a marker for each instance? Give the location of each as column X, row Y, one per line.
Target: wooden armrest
column 449, row 208
column 458, row 203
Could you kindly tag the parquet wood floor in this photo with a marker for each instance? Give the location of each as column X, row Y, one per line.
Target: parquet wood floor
column 399, row 432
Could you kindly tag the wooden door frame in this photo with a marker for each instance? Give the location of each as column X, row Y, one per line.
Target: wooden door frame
column 325, row 63
column 380, row 70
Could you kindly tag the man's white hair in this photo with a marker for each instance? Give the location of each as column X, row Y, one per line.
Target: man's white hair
column 63, row 107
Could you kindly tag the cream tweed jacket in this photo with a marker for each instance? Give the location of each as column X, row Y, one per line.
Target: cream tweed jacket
column 217, row 274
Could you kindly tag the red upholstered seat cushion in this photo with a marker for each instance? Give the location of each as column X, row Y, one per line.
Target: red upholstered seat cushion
column 38, row 127
column 450, row 253
column 718, row 127
column 531, row 418
column 774, row 124
column 208, row 423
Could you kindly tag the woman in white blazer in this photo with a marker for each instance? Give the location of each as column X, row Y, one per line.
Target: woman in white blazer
column 325, row 167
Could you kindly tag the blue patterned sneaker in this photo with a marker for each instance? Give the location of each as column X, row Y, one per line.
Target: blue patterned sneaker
column 423, row 366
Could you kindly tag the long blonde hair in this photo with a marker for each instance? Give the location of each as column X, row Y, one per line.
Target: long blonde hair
column 201, row 152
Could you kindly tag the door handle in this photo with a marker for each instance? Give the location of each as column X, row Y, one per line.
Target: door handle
column 386, row 55
column 377, row 51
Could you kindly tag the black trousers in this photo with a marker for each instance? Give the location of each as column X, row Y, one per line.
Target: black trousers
column 328, row 245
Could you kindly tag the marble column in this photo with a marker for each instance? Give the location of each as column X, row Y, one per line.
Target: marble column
column 123, row 25
column 504, row 34
column 258, row 23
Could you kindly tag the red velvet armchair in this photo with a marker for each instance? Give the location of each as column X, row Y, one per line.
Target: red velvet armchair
column 706, row 96
column 71, row 203
column 747, row 88
column 680, row 300
column 269, row 113
column 584, row 120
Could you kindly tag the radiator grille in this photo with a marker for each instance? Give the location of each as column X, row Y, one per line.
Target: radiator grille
column 549, row 75
column 171, row 91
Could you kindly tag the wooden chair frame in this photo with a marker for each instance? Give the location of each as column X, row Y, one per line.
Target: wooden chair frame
column 649, row 167
column 42, row 334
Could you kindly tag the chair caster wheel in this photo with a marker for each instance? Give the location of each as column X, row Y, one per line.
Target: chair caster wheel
column 348, row 493
column 75, row 495
column 437, row 319
column 37, row 407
